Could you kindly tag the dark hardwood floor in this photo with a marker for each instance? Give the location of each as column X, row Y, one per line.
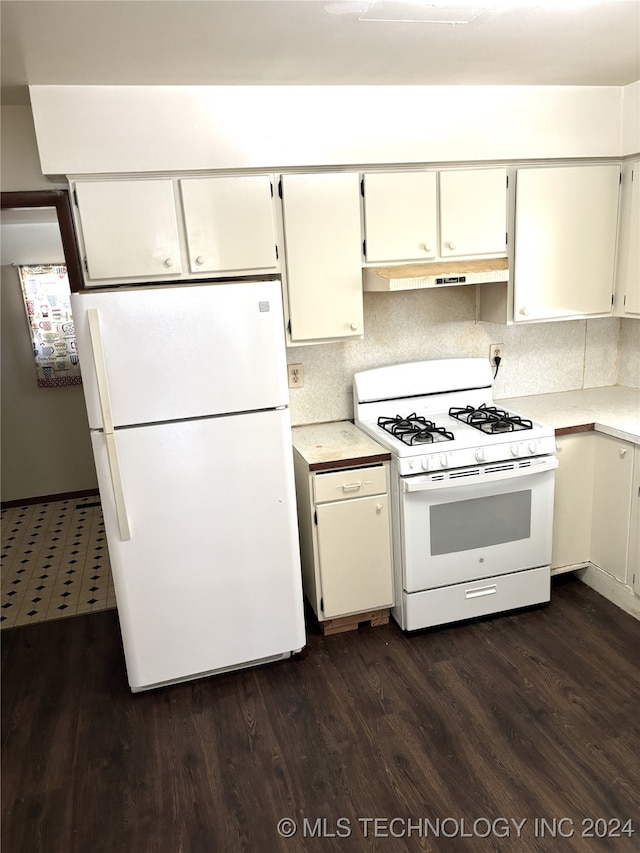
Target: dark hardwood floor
column 512, row 733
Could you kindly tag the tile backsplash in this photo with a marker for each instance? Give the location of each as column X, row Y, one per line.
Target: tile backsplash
column 428, row 324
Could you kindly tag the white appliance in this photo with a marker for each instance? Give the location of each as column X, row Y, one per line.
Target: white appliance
column 472, row 491
column 187, row 400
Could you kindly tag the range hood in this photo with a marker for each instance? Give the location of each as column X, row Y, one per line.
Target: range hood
column 438, row 274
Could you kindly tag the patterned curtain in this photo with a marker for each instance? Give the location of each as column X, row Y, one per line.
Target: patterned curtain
column 46, row 293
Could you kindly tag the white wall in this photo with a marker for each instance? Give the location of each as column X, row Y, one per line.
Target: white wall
column 45, row 436
column 20, row 161
column 93, row 129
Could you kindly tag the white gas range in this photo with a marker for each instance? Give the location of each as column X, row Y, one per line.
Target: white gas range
column 472, row 490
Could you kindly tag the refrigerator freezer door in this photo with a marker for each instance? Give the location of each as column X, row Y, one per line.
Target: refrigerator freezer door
column 186, row 351
column 210, row 578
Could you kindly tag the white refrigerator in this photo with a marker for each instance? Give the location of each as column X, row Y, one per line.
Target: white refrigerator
column 187, row 400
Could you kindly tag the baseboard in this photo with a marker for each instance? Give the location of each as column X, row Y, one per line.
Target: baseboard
column 44, row 499
column 610, row 588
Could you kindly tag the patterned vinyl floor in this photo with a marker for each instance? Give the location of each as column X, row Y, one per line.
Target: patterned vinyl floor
column 55, row 561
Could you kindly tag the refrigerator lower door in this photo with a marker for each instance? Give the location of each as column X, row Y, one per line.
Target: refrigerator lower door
column 210, row 578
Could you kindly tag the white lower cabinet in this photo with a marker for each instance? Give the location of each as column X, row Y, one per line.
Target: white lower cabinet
column 345, row 533
column 596, row 514
column 573, row 500
column 611, row 515
column 353, row 555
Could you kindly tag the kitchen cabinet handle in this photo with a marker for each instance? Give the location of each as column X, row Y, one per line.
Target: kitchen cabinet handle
column 351, row 487
column 623, row 452
column 451, row 244
column 354, row 327
column 427, row 248
column 524, row 311
column 168, row 262
column 379, row 508
column 200, row 260
column 107, row 422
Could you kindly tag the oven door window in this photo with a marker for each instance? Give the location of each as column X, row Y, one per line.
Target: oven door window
column 480, row 522
column 475, row 530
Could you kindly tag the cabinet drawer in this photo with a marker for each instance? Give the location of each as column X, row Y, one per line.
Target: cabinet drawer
column 476, row 598
column 342, row 485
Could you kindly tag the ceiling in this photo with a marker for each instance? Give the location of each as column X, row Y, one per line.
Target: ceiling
column 317, row 42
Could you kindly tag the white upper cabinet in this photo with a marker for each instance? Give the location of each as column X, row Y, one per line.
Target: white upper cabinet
column 473, row 212
column 229, row 223
column 129, row 228
column 400, row 216
column 322, row 234
column 565, row 241
column 627, row 302
column 421, row 215
column 175, row 228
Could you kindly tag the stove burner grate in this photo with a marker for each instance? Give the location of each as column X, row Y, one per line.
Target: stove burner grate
column 489, row 419
column 414, row 429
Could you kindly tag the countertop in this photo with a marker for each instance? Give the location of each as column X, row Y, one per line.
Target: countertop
column 338, row 444
column 614, row 410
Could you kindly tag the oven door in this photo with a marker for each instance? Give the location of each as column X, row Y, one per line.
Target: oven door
column 474, row 523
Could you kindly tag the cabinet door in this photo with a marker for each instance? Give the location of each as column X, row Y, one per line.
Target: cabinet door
column 229, row 223
column 324, row 272
column 612, row 479
column 129, row 228
column 633, row 570
column 473, row 212
column 628, row 267
column 565, row 241
column 573, row 500
column 400, row 216
column 354, row 551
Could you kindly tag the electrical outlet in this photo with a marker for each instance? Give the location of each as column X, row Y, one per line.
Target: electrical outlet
column 496, row 350
column 296, row 375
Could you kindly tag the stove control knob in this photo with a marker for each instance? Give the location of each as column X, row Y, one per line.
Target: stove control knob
column 515, row 450
column 481, row 455
column 425, row 464
column 444, row 460
column 533, row 446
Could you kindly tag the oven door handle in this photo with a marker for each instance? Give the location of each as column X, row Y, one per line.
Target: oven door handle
column 476, row 476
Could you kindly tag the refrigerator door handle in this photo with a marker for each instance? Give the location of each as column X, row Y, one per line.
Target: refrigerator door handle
column 118, row 491
column 107, row 422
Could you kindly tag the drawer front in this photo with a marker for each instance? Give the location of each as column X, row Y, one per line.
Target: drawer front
column 354, row 483
column 477, row 598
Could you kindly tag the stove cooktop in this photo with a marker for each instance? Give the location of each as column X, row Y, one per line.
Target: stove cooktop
column 440, row 414
column 442, row 440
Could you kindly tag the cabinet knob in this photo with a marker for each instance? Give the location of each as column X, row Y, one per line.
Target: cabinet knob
column 622, row 452
column 379, row 508
column 451, row 244
column 168, row 262
column 524, row 311
column 354, row 327
column 427, row 248
column 199, row 260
